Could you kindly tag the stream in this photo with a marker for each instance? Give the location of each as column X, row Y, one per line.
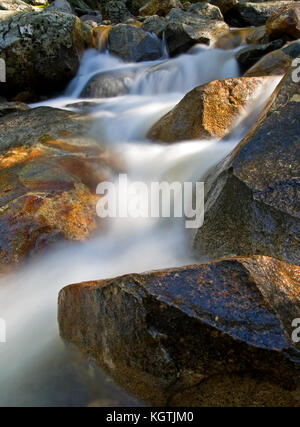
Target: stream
column 36, row 368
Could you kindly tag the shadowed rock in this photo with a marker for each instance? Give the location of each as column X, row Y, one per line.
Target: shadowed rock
column 168, row 336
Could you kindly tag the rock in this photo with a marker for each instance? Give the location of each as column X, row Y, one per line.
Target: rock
column 185, row 29
column 216, row 334
column 250, row 13
column 208, row 111
column 135, row 5
column 233, row 39
column 48, row 178
column 117, row 12
column 249, row 55
column 109, row 84
column 94, row 18
column 61, row 6
column 277, row 62
column 206, row 11
column 15, row 5
column 285, row 21
column 11, row 107
column 42, row 51
column 252, row 205
column 224, row 5
column 155, row 24
column 82, row 7
column 160, row 7
column 133, row 44
column 258, row 35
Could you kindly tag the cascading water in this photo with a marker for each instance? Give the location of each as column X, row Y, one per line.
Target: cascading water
column 35, row 368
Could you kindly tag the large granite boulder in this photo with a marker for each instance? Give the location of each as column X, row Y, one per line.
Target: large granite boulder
column 49, row 172
column 42, row 50
column 252, row 205
column 208, row 111
column 133, row 44
column 216, row 334
column 184, row 29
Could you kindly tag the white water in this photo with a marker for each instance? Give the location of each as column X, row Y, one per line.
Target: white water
column 35, row 368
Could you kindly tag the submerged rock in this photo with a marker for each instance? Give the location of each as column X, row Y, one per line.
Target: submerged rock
column 184, row 29
column 170, row 336
column 133, row 44
column 252, row 205
column 48, row 178
column 208, row 111
column 42, row 50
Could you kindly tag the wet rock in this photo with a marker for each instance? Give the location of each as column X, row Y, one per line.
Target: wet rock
column 133, row 44
column 206, row 11
column 251, row 13
column 285, row 21
column 249, row 55
column 185, row 29
column 277, row 62
column 168, row 336
column 258, row 35
column 155, row 24
column 252, row 205
column 11, row 107
column 48, row 176
column 233, row 39
column 15, row 5
column 160, row 7
column 110, row 84
column 46, row 45
column 208, row 111
column 117, row 12
column 135, row 5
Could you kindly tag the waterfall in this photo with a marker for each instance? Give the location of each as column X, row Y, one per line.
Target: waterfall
column 34, row 365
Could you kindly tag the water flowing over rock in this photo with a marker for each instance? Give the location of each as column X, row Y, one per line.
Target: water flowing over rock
column 160, row 7
column 133, row 44
column 42, row 50
column 185, row 29
column 201, row 335
column 253, row 205
column 49, row 173
column 285, row 21
column 209, row 111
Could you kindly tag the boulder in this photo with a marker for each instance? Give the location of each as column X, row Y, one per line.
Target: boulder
column 133, row 44
column 249, row 55
column 206, row 11
column 285, row 21
column 108, row 84
column 224, row 5
column 184, row 29
column 208, row 111
column 61, row 6
column 258, row 35
column 116, row 12
column 155, row 24
column 42, row 51
column 277, row 62
column 135, row 5
column 48, row 178
column 160, row 7
column 215, row 334
column 251, row 13
column 252, row 202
